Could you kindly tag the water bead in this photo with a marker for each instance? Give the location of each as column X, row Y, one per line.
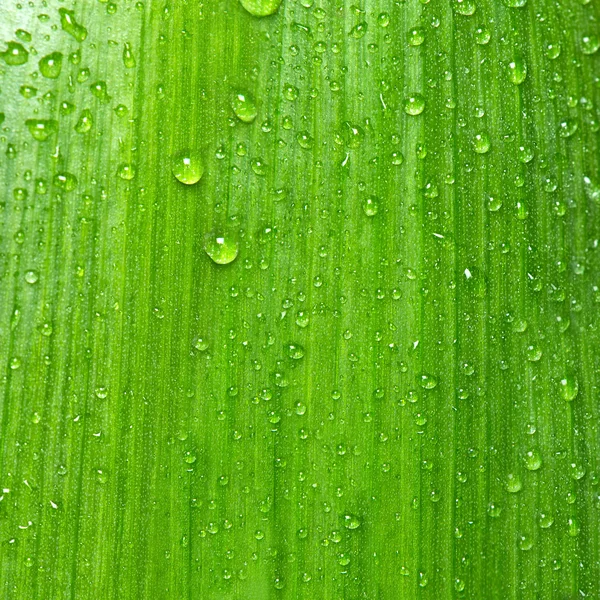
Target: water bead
column 71, row 26
column 261, row 8
column 15, row 54
column 414, row 105
column 221, row 248
column 187, row 167
column 244, row 107
column 51, row 65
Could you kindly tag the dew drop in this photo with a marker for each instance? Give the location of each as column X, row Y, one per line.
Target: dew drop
column 244, row 107
column 464, row 7
column 126, row 171
column 414, row 105
column 481, row 143
column 517, row 70
column 351, row 522
column 85, row 121
column 428, row 382
column 295, row 351
column 590, row 44
column 569, row 387
column 261, row 8
column 533, row 460
column 513, row 483
column 15, row 54
column 65, row 181
column 221, row 248
column 128, row 57
column 41, row 129
column 51, row 65
column 71, row 26
column 371, row 206
column 187, row 167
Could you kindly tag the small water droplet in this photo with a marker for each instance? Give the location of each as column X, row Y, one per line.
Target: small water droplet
column 517, row 70
column 371, row 206
column 128, row 57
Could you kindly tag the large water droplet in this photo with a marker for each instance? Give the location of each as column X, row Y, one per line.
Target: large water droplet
column 15, row 54
column 51, row 65
column 128, row 57
column 261, row 8
column 222, row 248
column 42, row 129
column 187, row 167
column 517, row 70
column 569, row 387
column 244, row 107
column 71, row 26
column 414, row 105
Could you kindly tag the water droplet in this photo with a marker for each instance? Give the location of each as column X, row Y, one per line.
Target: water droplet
column 569, row 387
column 590, row 44
column 261, row 8
column 416, row 36
column 65, row 181
column 351, row 522
column 189, row 457
column 85, row 121
column 515, row 3
column 295, row 351
column 517, row 70
column 371, row 206
column 428, row 382
column 481, row 143
column 42, row 129
column 464, row 7
column 414, row 105
column 482, row 36
column 244, row 107
column 15, row 54
column 353, row 135
column 221, row 248
column 200, row 344
column 100, row 90
column 513, row 483
column 126, row 171
column 258, row 166
column 534, row 353
column 71, row 26
column 546, row 520
column 304, row 140
column 290, row 92
column 359, row 31
column 187, row 167
column 533, row 459
column 31, row 277
column 128, row 57
column 591, row 188
column 51, row 65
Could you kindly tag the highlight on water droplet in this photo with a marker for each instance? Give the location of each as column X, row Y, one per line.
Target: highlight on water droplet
column 51, row 65
column 261, row 8
column 187, row 167
column 15, row 54
column 244, row 107
column 221, row 247
column 42, row 129
column 71, row 26
column 414, row 105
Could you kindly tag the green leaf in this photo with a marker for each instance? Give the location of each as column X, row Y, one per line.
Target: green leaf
column 302, row 305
